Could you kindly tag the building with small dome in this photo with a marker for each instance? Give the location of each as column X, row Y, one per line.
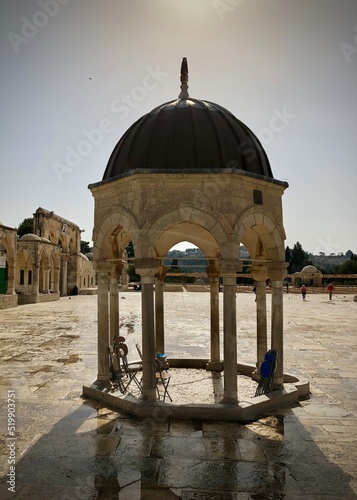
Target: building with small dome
column 43, row 265
column 8, row 253
column 37, row 269
column 189, row 171
column 309, row 275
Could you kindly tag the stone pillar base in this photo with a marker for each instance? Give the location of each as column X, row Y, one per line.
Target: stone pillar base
column 229, row 401
column 149, row 396
column 278, row 383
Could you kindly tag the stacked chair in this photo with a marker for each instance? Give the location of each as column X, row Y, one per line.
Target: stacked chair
column 267, row 372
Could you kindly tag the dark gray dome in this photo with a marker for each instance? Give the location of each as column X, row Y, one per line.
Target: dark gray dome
column 188, row 134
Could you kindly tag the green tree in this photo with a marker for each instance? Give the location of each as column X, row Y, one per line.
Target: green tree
column 298, row 258
column 348, row 267
column 131, row 268
column 132, row 273
column 288, row 258
column 174, row 268
column 25, row 227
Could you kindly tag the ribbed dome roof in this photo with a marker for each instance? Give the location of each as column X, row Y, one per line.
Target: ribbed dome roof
column 188, row 134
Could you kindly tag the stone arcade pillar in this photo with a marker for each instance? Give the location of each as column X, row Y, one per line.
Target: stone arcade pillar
column 214, row 363
column 148, row 268
column 230, row 332
column 10, row 276
column 65, row 257
column 277, row 273
column 56, row 279
column 259, row 274
column 36, row 279
column 46, row 280
column 103, row 323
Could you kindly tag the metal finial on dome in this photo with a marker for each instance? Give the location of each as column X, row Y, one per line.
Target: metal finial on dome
column 184, row 80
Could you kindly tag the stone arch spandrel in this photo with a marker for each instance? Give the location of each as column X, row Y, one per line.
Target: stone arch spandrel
column 55, row 257
column 10, row 246
column 106, row 235
column 45, row 257
column 256, row 227
column 24, row 259
column 118, row 215
column 211, row 220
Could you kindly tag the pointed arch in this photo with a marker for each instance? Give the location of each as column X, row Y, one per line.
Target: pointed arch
column 261, row 234
column 113, row 234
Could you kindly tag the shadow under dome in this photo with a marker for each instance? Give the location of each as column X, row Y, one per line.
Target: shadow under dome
column 188, row 134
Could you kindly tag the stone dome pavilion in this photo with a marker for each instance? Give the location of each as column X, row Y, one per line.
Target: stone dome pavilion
column 190, row 171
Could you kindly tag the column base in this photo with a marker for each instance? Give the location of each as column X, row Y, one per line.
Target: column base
column 101, row 384
column 214, row 366
column 278, row 384
column 229, row 401
column 149, row 395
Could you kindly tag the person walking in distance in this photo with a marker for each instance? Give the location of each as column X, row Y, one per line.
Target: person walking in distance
column 303, row 291
column 330, row 289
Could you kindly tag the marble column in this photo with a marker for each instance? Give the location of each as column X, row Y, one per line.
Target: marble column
column 159, row 315
column 230, row 335
column 148, row 268
column 214, row 363
column 114, row 307
column 277, row 329
column 277, row 273
column 103, row 326
column 259, row 274
column 262, row 338
column 148, row 338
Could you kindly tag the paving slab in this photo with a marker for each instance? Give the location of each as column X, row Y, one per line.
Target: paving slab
column 67, row 447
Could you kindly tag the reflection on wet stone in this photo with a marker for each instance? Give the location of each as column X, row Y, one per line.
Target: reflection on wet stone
column 68, row 448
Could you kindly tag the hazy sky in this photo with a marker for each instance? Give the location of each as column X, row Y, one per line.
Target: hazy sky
column 74, row 71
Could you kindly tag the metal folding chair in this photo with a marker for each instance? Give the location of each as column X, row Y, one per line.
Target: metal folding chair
column 162, row 378
column 130, row 369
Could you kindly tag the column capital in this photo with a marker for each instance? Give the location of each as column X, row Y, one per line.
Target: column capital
column 117, row 269
column 211, row 269
column 161, row 274
column 103, row 267
column 277, row 270
column 259, row 272
column 230, row 267
column 147, row 266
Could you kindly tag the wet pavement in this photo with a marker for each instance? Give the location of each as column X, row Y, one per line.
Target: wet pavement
column 69, row 448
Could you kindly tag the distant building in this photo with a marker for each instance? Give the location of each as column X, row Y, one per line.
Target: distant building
column 45, row 265
column 309, row 275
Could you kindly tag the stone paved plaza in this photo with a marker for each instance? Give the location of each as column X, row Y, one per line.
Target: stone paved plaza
column 69, row 448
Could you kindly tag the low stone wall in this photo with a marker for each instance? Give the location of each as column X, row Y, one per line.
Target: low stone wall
column 36, row 299
column 88, row 291
column 7, row 301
